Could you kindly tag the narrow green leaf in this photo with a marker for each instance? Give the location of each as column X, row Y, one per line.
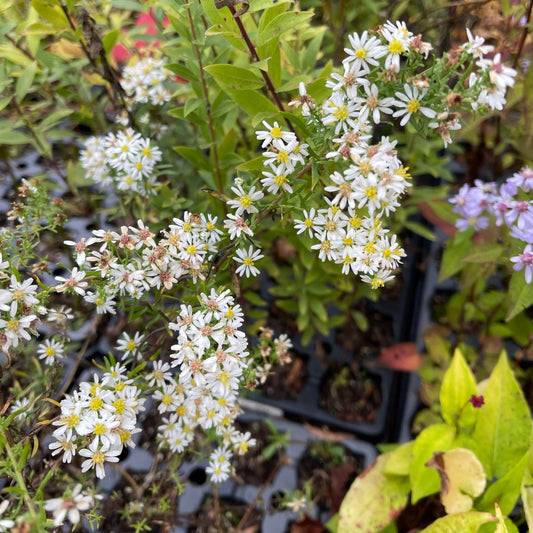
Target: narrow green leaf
column 14, row 55
column 131, row 5
column 520, row 295
column 53, row 118
column 110, row 39
column 282, row 23
column 24, row 81
column 452, row 256
column 420, row 229
column 236, row 77
column 484, row 252
column 458, row 385
column 182, row 71
column 13, row 137
column 52, row 14
column 503, row 425
column 194, row 156
column 4, row 102
column 253, row 102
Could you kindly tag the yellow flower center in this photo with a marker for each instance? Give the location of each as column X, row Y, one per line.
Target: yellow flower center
column 413, row 106
column 396, row 47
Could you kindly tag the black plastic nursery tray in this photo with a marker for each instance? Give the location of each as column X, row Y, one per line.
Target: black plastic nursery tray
column 398, row 389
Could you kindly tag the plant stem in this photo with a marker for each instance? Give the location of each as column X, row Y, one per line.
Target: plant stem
column 524, row 35
column 19, row 478
column 212, row 139
column 281, row 461
column 255, row 57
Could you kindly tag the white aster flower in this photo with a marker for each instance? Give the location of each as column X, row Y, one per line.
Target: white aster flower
column 409, row 103
column 365, row 51
column 247, row 259
column 244, row 203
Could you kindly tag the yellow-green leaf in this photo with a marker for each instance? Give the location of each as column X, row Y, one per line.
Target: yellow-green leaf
column 458, row 385
column 503, row 424
column 373, row 501
column 24, row 81
column 462, row 522
column 425, row 480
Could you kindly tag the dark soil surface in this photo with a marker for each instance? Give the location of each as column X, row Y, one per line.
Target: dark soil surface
column 351, row 393
column 253, row 468
column 331, row 469
column 231, row 512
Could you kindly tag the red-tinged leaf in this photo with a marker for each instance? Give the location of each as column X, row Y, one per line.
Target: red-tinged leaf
column 339, row 475
column 428, row 212
column 402, row 356
column 307, row 525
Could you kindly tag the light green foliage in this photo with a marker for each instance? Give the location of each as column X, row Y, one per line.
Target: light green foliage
column 373, row 500
column 494, row 437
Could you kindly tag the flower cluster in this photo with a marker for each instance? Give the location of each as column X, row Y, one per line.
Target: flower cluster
column 125, row 159
column 385, row 78
column 134, row 261
column 19, row 307
column 145, row 82
column 69, row 506
column 98, row 420
column 210, row 357
column 507, row 205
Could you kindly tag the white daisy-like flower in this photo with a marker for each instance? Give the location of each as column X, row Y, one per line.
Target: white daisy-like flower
column 244, row 203
column 272, row 133
column 476, row 45
column 365, row 51
column 247, row 258
column 409, row 103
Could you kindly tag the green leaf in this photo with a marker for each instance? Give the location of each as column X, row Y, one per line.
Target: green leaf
column 253, row 102
column 520, row 295
column 13, row 137
column 373, row 501
column 194, row 156
column 425, row 480
column 282, row 23
column 452, row 256
column 4, row 102
column 461, row 522
column 506, row 490
column 420, row 229
column 52, row 14
column 399, row 460
column 53, row 118
column 129, row 4
column 526, row 492
column 24, row 81
column 503, row 425
column 236, row 77
column 484, row 252
column 110, row 39
column 458, row 385
column 14, row 55
column 182, row 71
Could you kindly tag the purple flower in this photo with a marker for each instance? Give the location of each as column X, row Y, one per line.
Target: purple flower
column 522, row 235
column 524, row 260
column 476, row 222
